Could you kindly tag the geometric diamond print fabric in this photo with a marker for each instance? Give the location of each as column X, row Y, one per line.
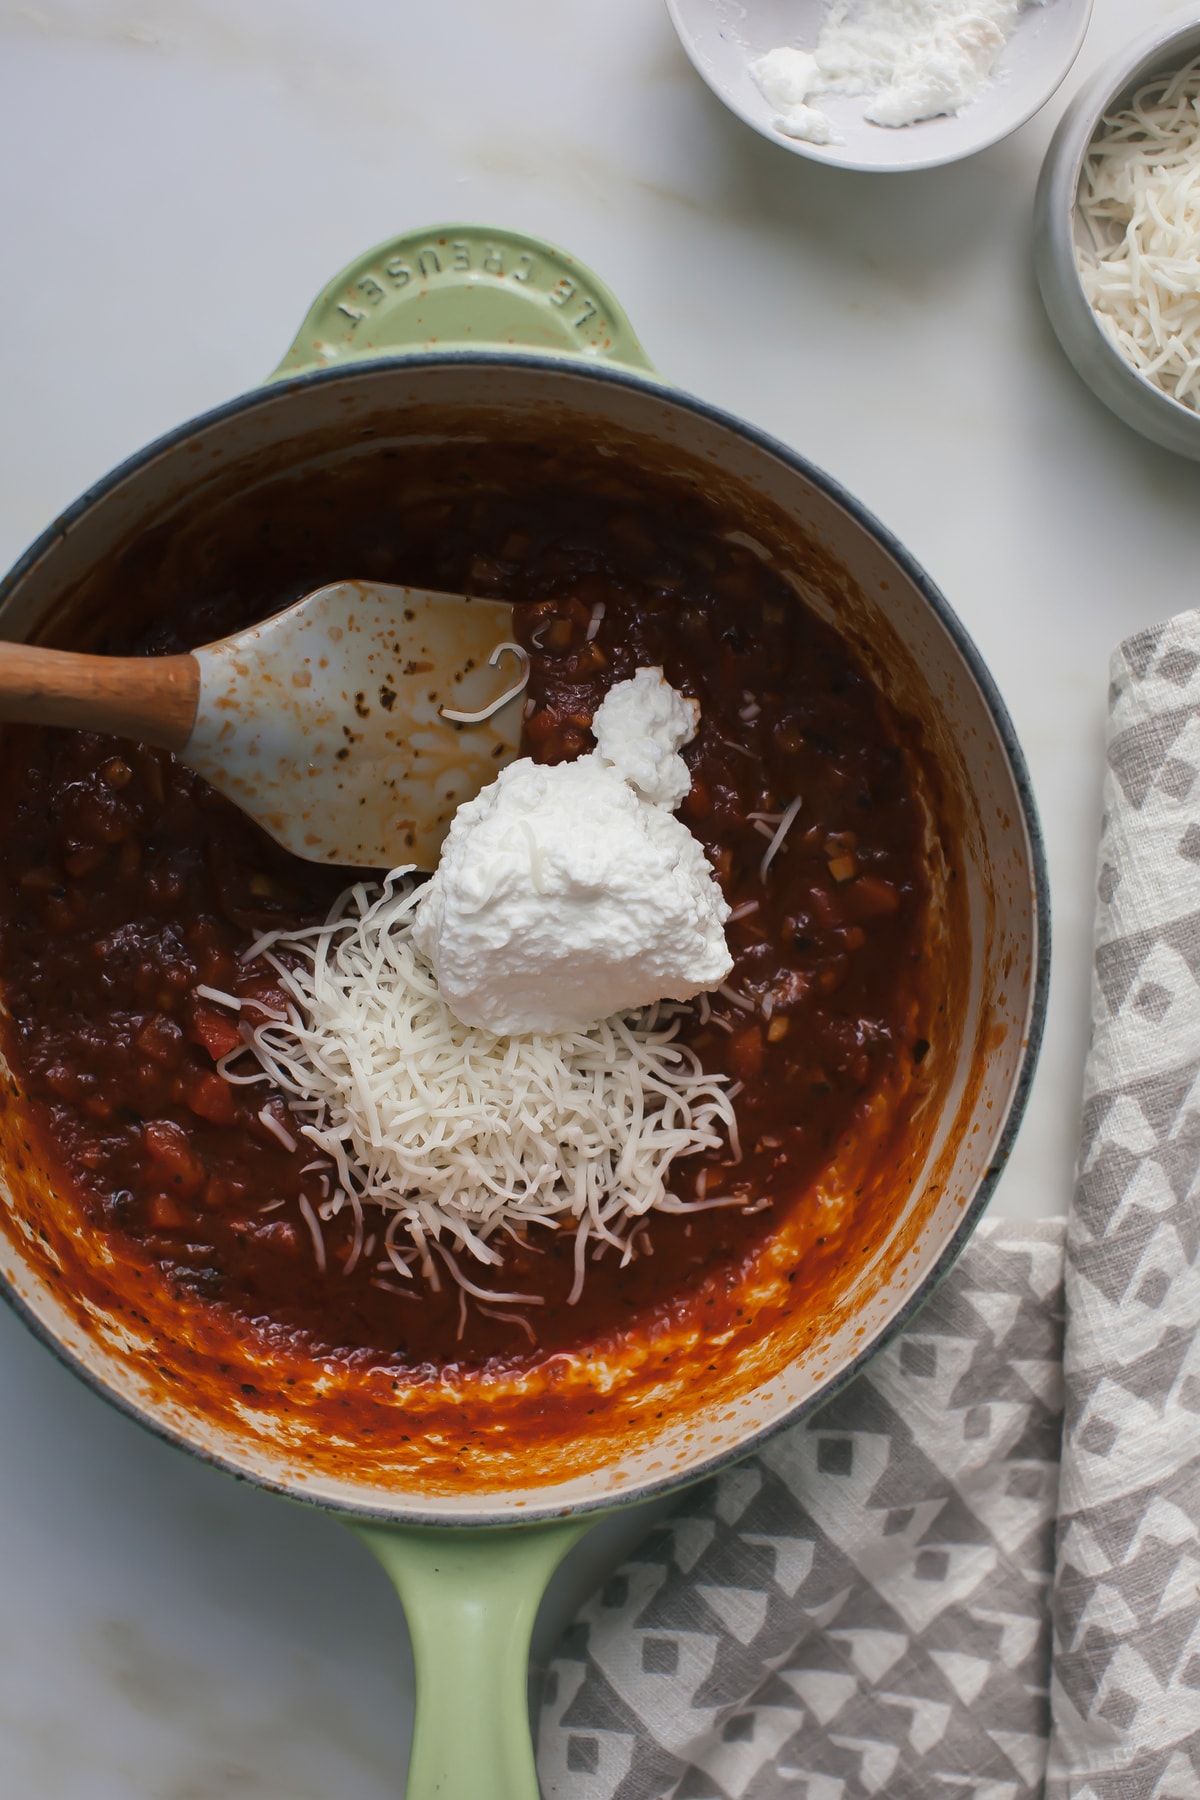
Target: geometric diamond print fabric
column 1126, row 1693
column 862, row 1608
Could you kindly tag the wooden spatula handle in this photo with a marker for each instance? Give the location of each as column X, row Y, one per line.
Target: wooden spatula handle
column 152, row 698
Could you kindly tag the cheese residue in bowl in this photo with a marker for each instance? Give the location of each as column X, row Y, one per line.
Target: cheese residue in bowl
column 911, row 60
column 1139, row 255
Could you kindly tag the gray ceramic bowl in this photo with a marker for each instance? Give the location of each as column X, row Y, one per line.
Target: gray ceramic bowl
column 1171, row 44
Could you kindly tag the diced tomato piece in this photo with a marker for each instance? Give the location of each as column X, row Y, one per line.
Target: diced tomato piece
column 217, row 1034
column 101, row 818
column 160, row 1039
column 485, row 572
column 211, row 1098
column 543, row 732
column 551, row 739
column 40, row 880
column 589, row 659
column 223, row 1190
column 165, row 1214
column 833, row 974
column 825, row 908
column 746, row 1053
column 872, row 898
column 83, row 862
column 167, row 1147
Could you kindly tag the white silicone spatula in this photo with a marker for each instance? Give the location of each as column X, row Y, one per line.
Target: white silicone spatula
column 350, row 726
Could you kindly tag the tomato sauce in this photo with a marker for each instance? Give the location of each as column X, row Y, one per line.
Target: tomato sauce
column 126, row 884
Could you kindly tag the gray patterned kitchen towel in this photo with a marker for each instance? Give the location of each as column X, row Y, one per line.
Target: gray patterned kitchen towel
column 1126, row 1696
column 864, row 1608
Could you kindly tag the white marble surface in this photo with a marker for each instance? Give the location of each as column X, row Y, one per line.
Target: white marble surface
column 178, row 179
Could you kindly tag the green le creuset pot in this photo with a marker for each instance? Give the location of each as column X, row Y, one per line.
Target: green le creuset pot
column 491, row 334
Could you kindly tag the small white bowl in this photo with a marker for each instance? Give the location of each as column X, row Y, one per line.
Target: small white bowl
column 1147, row 408
column 723, row 37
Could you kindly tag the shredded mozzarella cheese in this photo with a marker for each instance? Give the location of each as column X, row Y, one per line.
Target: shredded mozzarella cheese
column 518, row 687
column 1139, row 199
column 219, row 995
column 786, row 822
column 314, row 1226
column 272, row 1124
column 463, row 1136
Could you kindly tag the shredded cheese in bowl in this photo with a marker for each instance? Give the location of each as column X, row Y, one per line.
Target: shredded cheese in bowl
column 1139, row 256
column 462, row 1137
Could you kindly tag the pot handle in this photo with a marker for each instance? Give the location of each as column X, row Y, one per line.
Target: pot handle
column 471, row 1597
column 460, row 287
